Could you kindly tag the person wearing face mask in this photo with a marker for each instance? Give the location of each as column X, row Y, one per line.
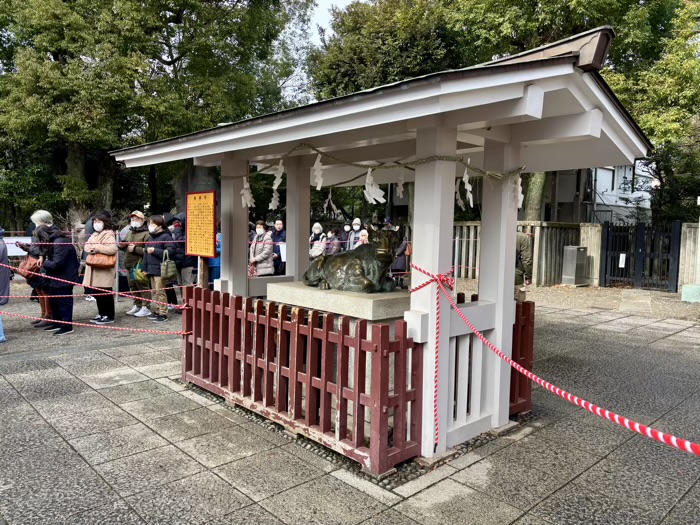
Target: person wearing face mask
column 160, row 241
column 133, row 249
column 261, row 251
column 354, row 235
column 317, row 242
column 279, row 236
column 333, row 243
column 97, row 279
column 344, row 236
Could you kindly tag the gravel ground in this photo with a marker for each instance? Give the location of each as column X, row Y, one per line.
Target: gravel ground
column 664, row 305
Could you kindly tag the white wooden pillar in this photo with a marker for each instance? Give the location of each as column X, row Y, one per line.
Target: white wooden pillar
column 234, row 228
column 499, row 221
column 433, row 220
column 298, row 217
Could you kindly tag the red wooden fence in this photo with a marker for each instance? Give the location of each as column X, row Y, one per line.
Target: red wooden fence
column 305, row 371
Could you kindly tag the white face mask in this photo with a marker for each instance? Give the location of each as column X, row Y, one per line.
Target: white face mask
column 98, row 226
column 259, row 231
column 136, row 224
column 171, row 228
column 329, row 234
column 152, row 228
column 356, row 227
column 347, row 228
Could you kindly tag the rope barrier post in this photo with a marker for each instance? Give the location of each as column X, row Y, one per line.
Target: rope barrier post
column 498, row 231
column 432, row 249
column 203, row 272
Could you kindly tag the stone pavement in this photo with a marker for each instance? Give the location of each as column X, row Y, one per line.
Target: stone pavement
column 106, row 435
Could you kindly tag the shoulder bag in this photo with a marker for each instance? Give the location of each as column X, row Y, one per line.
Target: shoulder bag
column 101, row 260
column 168, row 269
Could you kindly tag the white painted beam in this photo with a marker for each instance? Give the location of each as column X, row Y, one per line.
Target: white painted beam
column 559, row 129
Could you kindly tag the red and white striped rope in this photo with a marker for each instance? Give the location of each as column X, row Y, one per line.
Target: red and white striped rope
column 656, row 435
column 83, row 295
column 112, row 243
column 90, row 325
column 440, row 280
column 121, row 294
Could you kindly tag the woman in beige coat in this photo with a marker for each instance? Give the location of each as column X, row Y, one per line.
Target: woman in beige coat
column 101, row 280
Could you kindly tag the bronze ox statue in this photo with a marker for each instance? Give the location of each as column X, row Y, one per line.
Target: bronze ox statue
column 364, row 269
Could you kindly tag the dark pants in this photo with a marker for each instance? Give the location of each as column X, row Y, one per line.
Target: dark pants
column 62, row 307
column 105, row 303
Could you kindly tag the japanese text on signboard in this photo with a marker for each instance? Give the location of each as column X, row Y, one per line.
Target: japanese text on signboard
column 201, row 224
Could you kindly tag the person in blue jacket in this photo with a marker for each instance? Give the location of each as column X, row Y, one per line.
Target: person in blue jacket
column 215, row 262
column 61, row 262
column 279, row 235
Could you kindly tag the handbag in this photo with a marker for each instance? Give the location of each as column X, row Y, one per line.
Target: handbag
column 137, row 275
column 168, row 268
column 29, row 266
column 101, row 260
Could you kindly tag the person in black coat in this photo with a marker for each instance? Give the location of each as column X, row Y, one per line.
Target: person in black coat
column 159, row 242
column 60, row 262
column 279, row 235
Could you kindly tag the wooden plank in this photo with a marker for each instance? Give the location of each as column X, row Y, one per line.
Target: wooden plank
column 296, row 355
column 358, row 419
column 282, row 360
column 341, row 403
column 247, row 347
column 269, row 355
column 327, row 361
column 216, row 334
column 312, row 364
column 399, row 377
column 379, row 422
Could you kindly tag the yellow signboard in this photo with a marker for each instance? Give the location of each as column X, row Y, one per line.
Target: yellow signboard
column 201, row 224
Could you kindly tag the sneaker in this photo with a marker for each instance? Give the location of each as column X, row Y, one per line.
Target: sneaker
column 52, row 327
column 98, row 317
column 104, row 320
column 36, row 321
column 43, row 324
column 63, row 331
column 143, row 312
column 153, row 316
column 89, row 298
column 133, row 310
column 160, row 319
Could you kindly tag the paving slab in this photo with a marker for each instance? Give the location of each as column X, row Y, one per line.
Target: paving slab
column 425, row 481
column 251, row 515
column 282, row 471
column 225, row 446
column 389, row 517
column 633, row 487
column 113, row 377
column 100, row 420
column 139, row 360
column 192, row 501
column 167, row 369
column 596, row 440
column 451, row 503
column 160, row 406
column 23, row 428
column 117, row 513
column 189, row 424
column 33, row 493
column 324, row 500
column 130, row 350
column 510, row 481
column 371, row 489
column 310, row 457
column 57, row 407
column 117, row 443
column 134, row 391
column 687, row 510
column 87, row 363
column 574, row 505
column 147, row 470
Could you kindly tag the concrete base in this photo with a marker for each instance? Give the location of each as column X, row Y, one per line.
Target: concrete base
column 690, row 293
column 373, row 307
column 438, row 459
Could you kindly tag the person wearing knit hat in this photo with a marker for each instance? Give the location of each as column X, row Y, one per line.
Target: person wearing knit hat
column 354, row 235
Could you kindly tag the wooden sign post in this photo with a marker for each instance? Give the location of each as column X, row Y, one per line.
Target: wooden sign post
column 200, row 235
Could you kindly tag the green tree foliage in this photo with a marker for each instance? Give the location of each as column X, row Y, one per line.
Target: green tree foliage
column 385, row 41
column 88, row 76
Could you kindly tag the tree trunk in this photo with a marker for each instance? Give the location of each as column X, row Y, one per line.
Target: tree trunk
column 153, row 188
column 535, row 196
column 75, row 188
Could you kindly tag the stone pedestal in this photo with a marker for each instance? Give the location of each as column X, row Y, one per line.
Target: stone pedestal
column 370, row 306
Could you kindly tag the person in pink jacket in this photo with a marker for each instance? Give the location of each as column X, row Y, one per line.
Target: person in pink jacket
column 100, row 281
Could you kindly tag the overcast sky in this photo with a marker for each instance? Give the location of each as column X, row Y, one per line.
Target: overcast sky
column 322, row 15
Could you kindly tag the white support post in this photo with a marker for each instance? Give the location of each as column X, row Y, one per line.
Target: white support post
column 499, row 221
column 234, row 228
column 433, row 221
column 298, row 217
